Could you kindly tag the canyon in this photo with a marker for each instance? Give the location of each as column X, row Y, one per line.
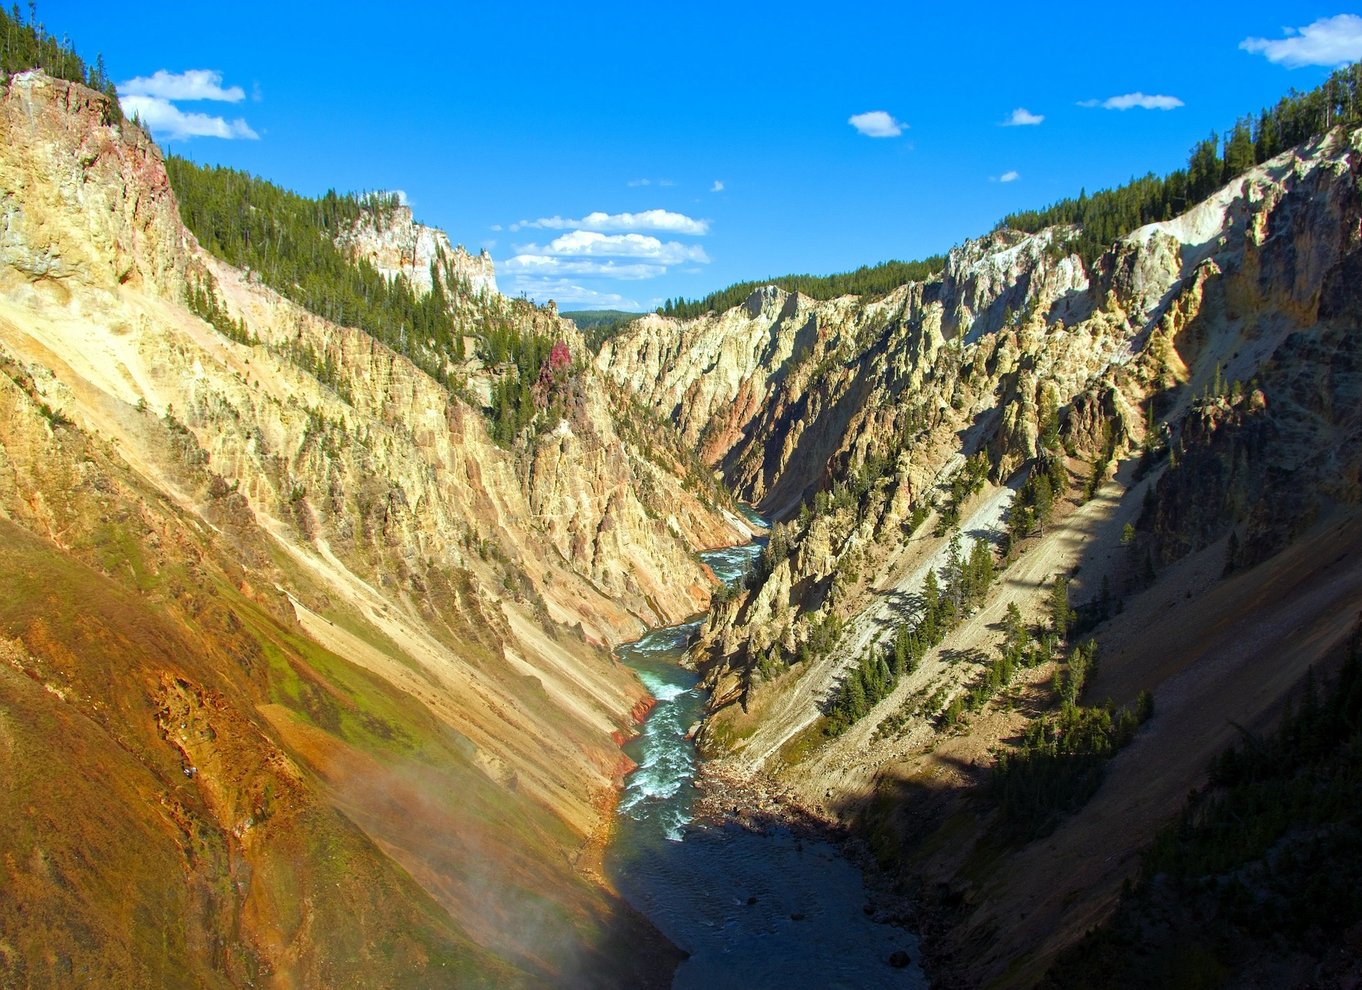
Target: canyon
column 1200, row 385
column 303, row 654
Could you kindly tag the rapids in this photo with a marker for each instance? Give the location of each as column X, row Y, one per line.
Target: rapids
column 752, row 910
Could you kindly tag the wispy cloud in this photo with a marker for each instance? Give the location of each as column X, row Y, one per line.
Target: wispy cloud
column 636, row 183
column 1011, row 176
column 569, row 294
column 195, row 84
column 661, row 220
column 152, row 100
column 718, row 186
column 1128, row 101
column 1022, row 117
column 543, row 265
column 1329, row 41
column 592, row 244
column 876, row 124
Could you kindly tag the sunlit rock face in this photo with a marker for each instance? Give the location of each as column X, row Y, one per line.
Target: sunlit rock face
column 393, row 242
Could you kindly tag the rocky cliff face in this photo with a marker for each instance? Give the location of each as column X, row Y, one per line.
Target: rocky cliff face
column 890, row 396
column 1198, row 384
column 358, row 668
column 768, row 390
column 391, row 240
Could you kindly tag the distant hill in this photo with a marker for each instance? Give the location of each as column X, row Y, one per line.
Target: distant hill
column 588, row 318
column 599, row 325
column 868, row 280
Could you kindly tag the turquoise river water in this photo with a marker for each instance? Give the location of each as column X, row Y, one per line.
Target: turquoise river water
column 752, row 910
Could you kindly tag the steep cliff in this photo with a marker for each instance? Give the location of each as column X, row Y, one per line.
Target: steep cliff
column 325, row 666
column 1185, row 409
column 390, row 239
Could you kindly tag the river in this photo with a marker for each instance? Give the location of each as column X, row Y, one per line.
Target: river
column 752, row 910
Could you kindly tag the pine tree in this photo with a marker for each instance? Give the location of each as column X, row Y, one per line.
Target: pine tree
column 1239, row 151
column 1060, row 612
column 931, row 602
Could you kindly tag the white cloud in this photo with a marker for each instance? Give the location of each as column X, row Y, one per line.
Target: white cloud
column 196, row 84
column 585, row 251
column 149, row 98
column 1022, row 117
column 661, row 220
column 402, row 197
column 495, row 226
column 1011, row 176
column 592, row 244
column 568, row 295
column 544, row 265
column 170, row 122
column 1329, row 41
column 876, row 124
column 718, row 186
column 1129, row 100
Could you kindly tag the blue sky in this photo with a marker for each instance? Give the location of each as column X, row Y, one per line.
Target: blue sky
column 621, row 154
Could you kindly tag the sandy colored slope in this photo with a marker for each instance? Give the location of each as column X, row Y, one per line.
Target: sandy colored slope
column 1215, row 662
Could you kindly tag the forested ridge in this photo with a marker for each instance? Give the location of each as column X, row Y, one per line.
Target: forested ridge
column 1106, row 216
column 868, row 280
column 599, row 325
column 290, row 242
column 1110, row 214
column 25, row 44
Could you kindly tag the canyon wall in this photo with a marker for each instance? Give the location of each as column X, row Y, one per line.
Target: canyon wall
column 1190, row 398
column 330, row 668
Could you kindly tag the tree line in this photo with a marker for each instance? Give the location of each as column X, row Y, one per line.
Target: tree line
column 291, row 243
column 1105, row 216
column 868, row 280
column 25, row 44
column 1102, row 218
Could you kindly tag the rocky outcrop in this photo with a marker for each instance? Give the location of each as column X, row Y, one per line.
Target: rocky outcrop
column 60, row 223
column 885, row 399
column 768, row 390
column 389, row 238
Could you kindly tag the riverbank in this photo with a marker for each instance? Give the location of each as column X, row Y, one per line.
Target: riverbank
column 759, row 804
column 758, row 888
